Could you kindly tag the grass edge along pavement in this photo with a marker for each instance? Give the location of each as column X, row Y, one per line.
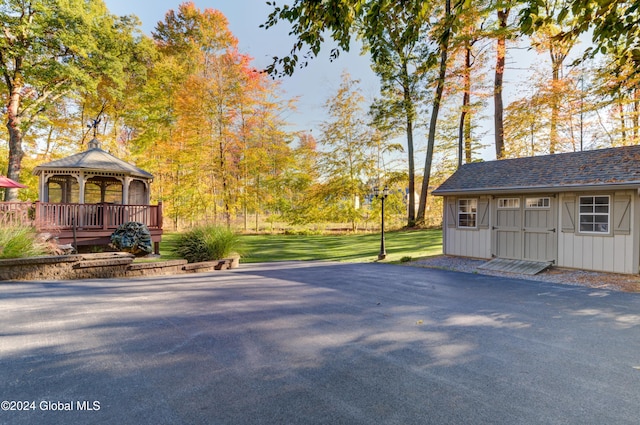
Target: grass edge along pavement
column 359, row 247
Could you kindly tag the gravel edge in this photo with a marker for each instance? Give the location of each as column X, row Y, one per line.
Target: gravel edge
column 591, row 279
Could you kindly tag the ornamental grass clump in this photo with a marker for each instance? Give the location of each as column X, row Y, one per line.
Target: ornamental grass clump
column 21, row 242
column 207, row 243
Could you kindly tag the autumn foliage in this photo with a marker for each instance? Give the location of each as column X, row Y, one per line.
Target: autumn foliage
column 217, row 147
column 188, row 106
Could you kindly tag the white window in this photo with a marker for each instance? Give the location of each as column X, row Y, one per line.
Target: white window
column 509, row 203
column 467, row 212
column 538, row 202
column 594, row 214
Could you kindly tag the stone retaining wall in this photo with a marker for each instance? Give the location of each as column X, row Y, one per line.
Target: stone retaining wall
column 39, row 268
column 157, row 268
column 102, row 265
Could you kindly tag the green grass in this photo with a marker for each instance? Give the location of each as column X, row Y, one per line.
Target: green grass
column 362, row 247
column 353, row 248
column 169, row 246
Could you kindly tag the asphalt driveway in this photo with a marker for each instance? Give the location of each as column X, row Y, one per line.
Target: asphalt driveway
column 318, row 343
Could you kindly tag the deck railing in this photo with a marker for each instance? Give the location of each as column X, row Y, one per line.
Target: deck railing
column 16, row 213
column 51, row 216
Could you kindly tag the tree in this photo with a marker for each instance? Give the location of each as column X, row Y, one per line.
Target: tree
column 310, row 19
column 472, row 17
column 613, row 25
column 545, row 38
column 266, row 154
column 347, row 160
column 209, row 123
column 393, row 35
column 618, row 93
column 525, row 120
column 342, row 18
column 157, row 142
column 614, row 33
column 299, row 180
column 206, row 103
column 170, row 124
column 444, row 35
column 502, row 33
column 50, row 49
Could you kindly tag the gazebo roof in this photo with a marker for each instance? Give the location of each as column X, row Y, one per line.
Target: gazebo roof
column 94, row 159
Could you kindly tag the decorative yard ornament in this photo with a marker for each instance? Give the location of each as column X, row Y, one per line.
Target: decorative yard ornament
column 94, row 125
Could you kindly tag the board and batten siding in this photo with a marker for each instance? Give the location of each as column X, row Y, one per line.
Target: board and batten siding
column 616, row 251
column 474, row 243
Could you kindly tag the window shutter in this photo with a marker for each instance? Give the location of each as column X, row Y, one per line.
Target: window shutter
column 569, row 214
column 452, row 216
column 483, row 213
column 622, row 215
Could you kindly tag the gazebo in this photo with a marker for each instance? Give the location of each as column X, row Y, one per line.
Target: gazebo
column 84, row 197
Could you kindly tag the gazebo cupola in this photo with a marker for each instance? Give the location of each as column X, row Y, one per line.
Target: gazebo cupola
column 93, row 177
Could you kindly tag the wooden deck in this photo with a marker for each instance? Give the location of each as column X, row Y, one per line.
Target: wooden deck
column 82, row 224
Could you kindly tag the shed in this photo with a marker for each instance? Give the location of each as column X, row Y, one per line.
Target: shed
column 577, row 210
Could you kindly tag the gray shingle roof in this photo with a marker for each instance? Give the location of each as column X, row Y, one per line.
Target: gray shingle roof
column 94, row 159
column 565, row 171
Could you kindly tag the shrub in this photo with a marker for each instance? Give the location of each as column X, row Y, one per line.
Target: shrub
column 207, row 243
column 20, row 242
column 302, row 232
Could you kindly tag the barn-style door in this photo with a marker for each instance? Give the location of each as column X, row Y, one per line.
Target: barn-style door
column 525, row 228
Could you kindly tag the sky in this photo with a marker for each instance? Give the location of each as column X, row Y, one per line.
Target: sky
column 312, row 85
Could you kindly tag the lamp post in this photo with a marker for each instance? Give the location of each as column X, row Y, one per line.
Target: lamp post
column 382, row 195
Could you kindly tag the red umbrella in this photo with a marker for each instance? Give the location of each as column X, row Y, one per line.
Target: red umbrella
column 7, row 182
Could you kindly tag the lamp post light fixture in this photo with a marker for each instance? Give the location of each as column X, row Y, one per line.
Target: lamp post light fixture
column 382, row 195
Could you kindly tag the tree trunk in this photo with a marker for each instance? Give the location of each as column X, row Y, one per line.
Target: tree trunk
column 411, row 211
column 354, row 221
column 463, row 115
column 498, row 117
column 553, row 131
column 411, row 216
column 444, row 46
column 636, row 110
column 257, row 202
column 225, row 187
column 464, row 136
column 467, row 137
column 15, row 140
column 623, row 126
column 556, row 65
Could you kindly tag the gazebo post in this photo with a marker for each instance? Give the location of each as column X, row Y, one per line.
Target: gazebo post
column 159, row 218
column 125, row 190
column 37, row 216
column 105, row 216
column 81, row 188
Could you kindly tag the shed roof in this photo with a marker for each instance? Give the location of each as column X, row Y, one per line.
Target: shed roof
column 95, row 159
column 612, row 167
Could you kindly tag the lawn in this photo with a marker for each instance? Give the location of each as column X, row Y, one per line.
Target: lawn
column 363, row 247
